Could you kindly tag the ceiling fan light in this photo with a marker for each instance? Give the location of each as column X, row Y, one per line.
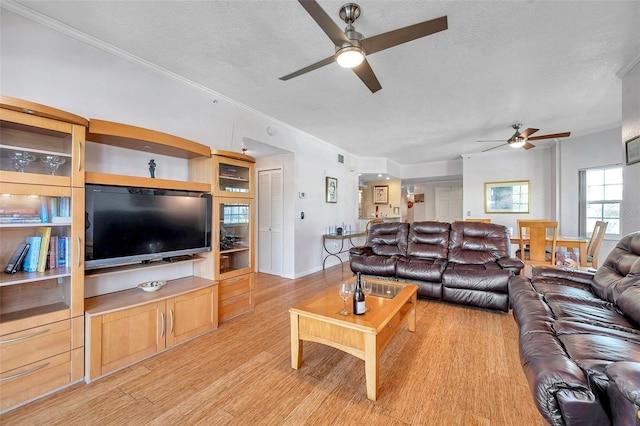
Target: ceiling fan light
column 350, row 56
column 518, row 143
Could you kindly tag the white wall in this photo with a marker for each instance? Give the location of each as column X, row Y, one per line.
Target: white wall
column 45, row 66
column 630, row 129
column 507, row 164
column 581, row 152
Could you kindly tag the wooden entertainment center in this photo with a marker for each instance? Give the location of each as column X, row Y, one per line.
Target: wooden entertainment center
column 50, row 335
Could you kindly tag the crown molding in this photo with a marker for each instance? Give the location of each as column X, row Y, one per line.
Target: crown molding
column 58, row 26
column 624, row 70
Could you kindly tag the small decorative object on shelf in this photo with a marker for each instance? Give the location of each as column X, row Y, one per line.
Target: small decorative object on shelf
column 20, row 160
column 52, row 162
column 151, row 285
column 152, row 168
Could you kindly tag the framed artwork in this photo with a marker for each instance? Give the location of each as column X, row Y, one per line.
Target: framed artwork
column 381, row 194
column 331, row 189
column 632, row 148
column 418, row 198
column 507, row 197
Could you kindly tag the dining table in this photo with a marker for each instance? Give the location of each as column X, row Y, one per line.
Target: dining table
column 568, row 242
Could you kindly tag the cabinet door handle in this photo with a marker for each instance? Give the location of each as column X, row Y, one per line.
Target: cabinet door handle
column 171, row 321
column 79, row 254
column 162, row 323
column 79, row 154
column 28, row 336
column 24, row 373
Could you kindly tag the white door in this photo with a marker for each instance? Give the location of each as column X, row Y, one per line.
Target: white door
column 448, row 203
column 270, row 221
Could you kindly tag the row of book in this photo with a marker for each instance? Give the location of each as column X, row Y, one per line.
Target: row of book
column 46, row 251
column 37, row 210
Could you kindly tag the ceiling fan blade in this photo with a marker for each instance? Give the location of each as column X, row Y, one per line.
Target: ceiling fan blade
column 367, row 76
column 402, row 35
column 552, row 136
column 497, row 146
column 528, row 145
column 528, row 132
column 325, row 22
column 322, row 63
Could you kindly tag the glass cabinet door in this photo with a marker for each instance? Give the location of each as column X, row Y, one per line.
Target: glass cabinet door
column 233, row 177
column 235, row 249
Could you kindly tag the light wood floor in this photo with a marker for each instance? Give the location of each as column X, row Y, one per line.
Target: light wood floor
column 460, row 367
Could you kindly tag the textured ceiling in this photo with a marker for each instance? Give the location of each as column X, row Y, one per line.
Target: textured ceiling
column 549, row 65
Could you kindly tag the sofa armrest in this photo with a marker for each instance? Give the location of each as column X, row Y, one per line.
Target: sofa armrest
column 582, row 277
column 513, row 264
column 624, row 392
column 360, row 251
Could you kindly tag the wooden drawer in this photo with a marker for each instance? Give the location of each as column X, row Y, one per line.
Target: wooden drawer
column 34, row 344
column 234, row 306
column 31, row 380
column 233, row 287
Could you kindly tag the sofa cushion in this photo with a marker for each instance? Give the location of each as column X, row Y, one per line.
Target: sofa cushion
column 629, row 303
column 428, row 240
column 388, row 239
column 611, row 280
column 420, row 269
column 478, row 243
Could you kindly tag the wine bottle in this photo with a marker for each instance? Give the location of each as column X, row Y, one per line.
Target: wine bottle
column 358, row 297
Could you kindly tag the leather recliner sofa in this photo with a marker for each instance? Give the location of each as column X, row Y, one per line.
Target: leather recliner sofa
column 579, row 339
column 466, row 263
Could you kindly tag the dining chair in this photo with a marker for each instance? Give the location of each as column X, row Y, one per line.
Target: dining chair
column 540, row 234
column 526, row 232
column 372, row 222
column 482, row 220
column 595, row 242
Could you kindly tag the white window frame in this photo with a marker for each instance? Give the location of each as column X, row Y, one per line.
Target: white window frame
column 583, row 202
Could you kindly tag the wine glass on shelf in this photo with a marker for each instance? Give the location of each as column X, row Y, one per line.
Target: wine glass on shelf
column 20, row 160
column 345, row 292
column 52, row 162
column 367, row 288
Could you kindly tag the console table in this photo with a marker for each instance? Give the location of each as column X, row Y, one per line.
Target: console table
column 340, row 237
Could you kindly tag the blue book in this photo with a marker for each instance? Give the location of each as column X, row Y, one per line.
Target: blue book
column 31, row 259
column 62, row 252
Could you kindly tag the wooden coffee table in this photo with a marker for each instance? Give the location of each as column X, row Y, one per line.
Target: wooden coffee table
column 365, row 336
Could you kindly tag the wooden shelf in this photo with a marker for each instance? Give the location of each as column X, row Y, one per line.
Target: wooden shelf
column 145, row 140
column 111, row 270
column 25, row 277
column 32, row 317
column 143, row 182
column 106, row 303
column 39, row 110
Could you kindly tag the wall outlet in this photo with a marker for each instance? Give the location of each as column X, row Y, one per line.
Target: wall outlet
column 302, row 194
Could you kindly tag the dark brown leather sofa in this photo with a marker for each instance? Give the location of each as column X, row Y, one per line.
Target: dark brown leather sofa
column 466, row 263
column 579, row 338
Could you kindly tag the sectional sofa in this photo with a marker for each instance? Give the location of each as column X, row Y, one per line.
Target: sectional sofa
column 467, row 263
column 579, row 338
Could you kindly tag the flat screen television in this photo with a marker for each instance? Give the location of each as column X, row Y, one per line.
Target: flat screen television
column 126, row 225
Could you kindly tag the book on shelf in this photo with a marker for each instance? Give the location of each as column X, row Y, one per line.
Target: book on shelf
column 52, row 259
column 63, row 251
column 17, row 258
column 45, row 234
column 31, row 259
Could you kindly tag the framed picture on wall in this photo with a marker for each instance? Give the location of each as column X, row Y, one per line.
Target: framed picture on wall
column 381, row 194
column 632, row 148
column 506, row 197
column 331, row 189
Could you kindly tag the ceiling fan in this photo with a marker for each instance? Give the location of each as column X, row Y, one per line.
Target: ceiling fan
column 521, row 139
column 351, row 47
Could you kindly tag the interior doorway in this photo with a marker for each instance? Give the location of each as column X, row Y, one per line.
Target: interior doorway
column 270, row 212
column 448, row 203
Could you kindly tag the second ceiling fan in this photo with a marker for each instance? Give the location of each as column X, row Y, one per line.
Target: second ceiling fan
column 351, row 47
column 521, row 139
